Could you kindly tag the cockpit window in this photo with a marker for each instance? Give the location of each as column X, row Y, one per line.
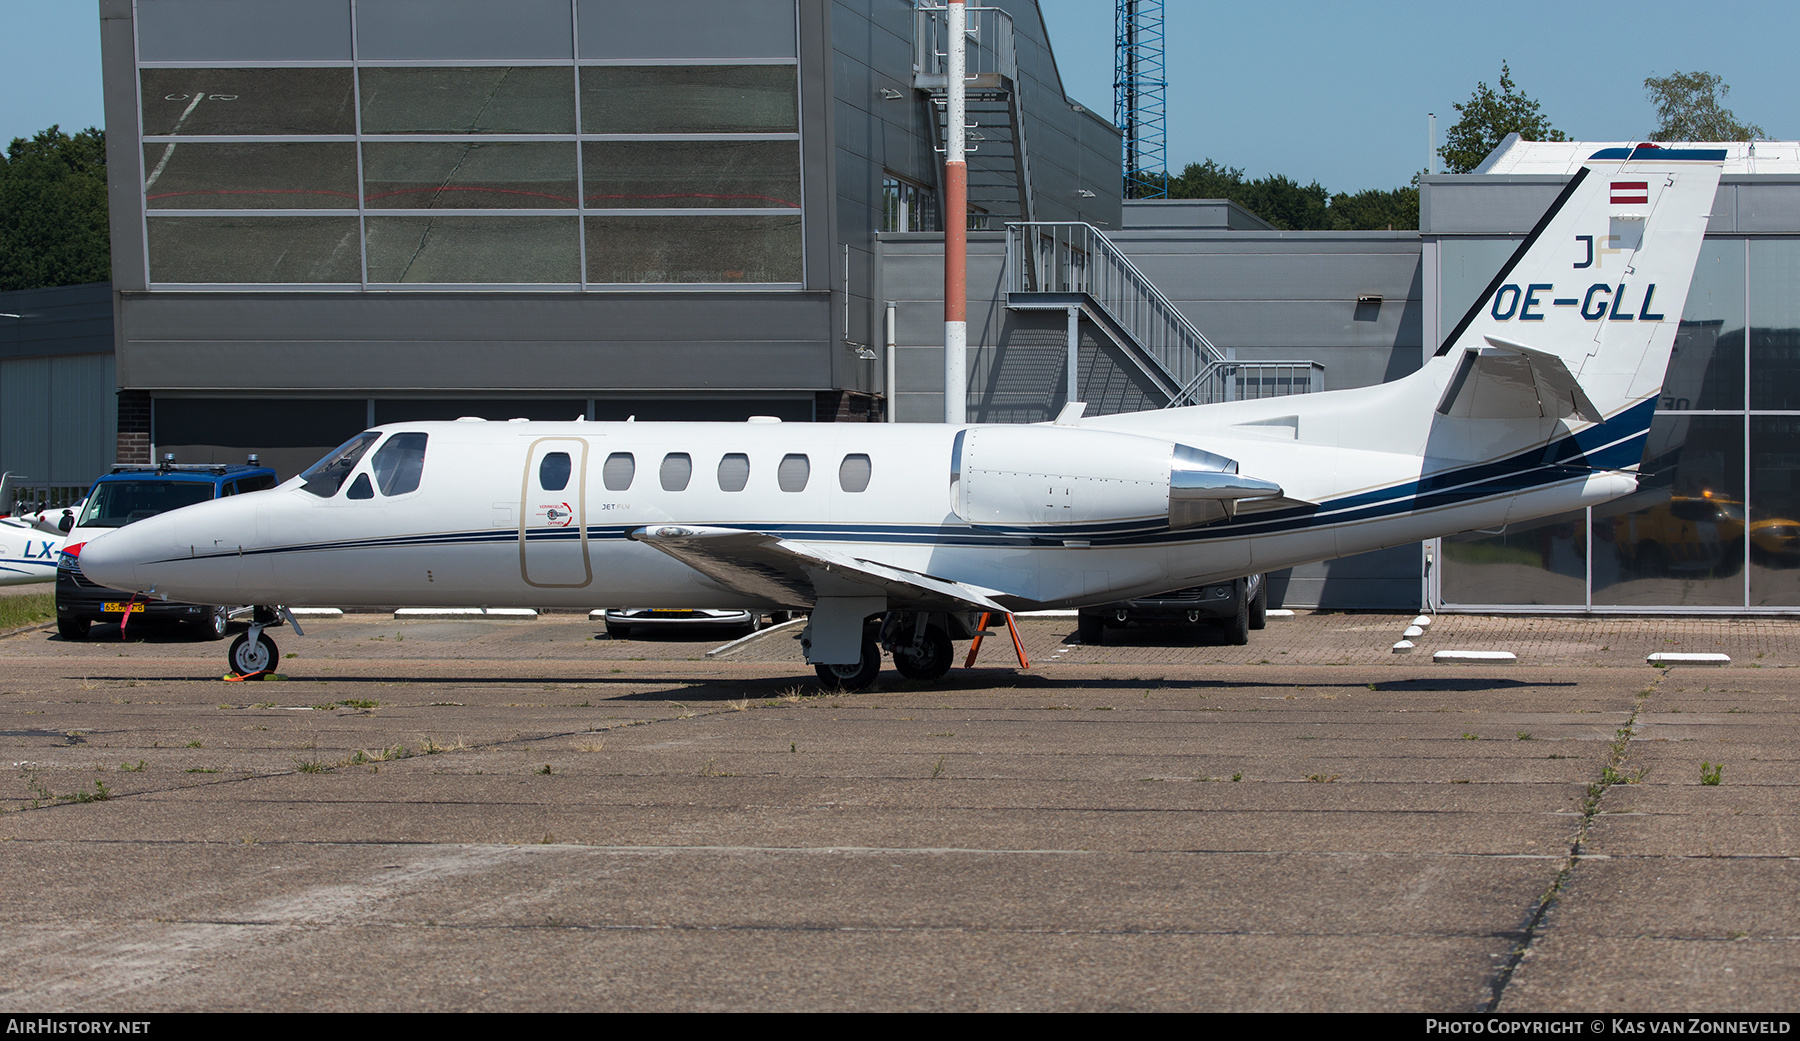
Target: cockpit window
column 399, row 464
column 327, row 475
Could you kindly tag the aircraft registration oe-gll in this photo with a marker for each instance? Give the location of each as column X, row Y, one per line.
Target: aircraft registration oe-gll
column 898, row 536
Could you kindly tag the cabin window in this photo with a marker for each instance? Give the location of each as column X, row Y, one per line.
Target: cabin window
column 734, row 472
column 360, row 488
column 677, row 471
column 553, row 472
column 791, row 475
column 326, row 476
column 399, row 464
column 853, row 472
column 619, row 470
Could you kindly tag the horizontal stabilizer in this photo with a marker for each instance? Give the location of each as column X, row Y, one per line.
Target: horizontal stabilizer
column 796, row 574
column 1508, row 380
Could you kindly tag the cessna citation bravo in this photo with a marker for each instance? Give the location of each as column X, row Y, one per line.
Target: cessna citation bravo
column 901, row 536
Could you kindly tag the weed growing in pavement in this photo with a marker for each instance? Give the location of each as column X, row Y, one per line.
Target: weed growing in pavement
column 1323, row 778
column 1711, row 773
column 130, row 769
column 1524, row 735
column 937, row 768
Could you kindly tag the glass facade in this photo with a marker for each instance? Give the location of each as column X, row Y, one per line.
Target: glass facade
column 500, row 154
column 1715, row 522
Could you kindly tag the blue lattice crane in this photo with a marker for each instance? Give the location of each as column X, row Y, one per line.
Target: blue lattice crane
column 1140, row 108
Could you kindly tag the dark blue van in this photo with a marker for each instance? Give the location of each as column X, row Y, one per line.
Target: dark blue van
column 131, row 493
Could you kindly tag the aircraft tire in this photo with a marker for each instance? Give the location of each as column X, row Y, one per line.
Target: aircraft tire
column 72, row 628
column 852, row 677
column 1237, row 627
column 216, row 625
column 1092, row 629
column 1259, row 607
column 928, row 662
column 247, row 658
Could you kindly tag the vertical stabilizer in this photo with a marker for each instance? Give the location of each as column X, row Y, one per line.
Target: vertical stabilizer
column 1598, row 286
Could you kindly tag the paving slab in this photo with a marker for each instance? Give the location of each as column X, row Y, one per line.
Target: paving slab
column 530, row 817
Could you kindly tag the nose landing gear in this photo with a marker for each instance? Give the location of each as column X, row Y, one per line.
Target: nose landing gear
column 253, row 653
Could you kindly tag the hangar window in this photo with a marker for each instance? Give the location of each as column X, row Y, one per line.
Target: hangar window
column 791, row 475
column 399, row 464
column 553, row 472
column 906, row 206
column 853, row 472
column 677, row 470
column 619, row 470
column 734, row 472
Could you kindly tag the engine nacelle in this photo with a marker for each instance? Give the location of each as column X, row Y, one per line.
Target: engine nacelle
column 1034, row 475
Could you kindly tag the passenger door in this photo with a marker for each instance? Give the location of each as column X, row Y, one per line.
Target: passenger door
column 553, row 547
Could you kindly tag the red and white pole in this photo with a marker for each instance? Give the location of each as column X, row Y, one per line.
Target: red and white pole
column 956, row 223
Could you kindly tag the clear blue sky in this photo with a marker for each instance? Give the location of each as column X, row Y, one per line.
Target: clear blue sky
column 1334, row 92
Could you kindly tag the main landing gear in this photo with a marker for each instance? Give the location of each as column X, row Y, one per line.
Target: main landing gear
column 253, row 653
column 921, row 643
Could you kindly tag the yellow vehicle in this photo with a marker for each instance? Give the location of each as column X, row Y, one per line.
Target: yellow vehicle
column 1686, row 533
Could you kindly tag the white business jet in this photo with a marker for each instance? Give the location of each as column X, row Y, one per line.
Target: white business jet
column 899, row 536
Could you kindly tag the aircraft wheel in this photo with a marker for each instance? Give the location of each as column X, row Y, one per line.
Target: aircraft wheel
column 72, row 628
column 1092, row 629
column 216, row 625
column 930, row 660
column 1237, row 627
column 1259, row 606
column 247, row 657
column 852, row 677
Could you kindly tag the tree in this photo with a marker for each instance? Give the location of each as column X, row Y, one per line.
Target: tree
column 1488, row 118
column 1285, row 203
column 1688, row 109
column 53, row 229
column 1292, row 206
column 1376, row 210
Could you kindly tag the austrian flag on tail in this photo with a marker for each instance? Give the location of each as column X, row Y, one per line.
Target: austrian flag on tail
column 1627, row 193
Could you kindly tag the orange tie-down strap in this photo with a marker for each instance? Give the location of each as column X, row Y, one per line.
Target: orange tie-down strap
column 981, row 631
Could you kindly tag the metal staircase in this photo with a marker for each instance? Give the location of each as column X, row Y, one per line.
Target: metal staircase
column 1053, row 266
column 999, row 161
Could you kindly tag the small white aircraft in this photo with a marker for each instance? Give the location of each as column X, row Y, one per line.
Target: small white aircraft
column 27, row 552
column 898, row 536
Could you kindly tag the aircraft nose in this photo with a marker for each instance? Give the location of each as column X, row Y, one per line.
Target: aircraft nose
column 168, row 554
column 112, row 559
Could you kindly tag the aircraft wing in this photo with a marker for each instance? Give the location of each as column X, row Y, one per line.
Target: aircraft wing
column 797, row 574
